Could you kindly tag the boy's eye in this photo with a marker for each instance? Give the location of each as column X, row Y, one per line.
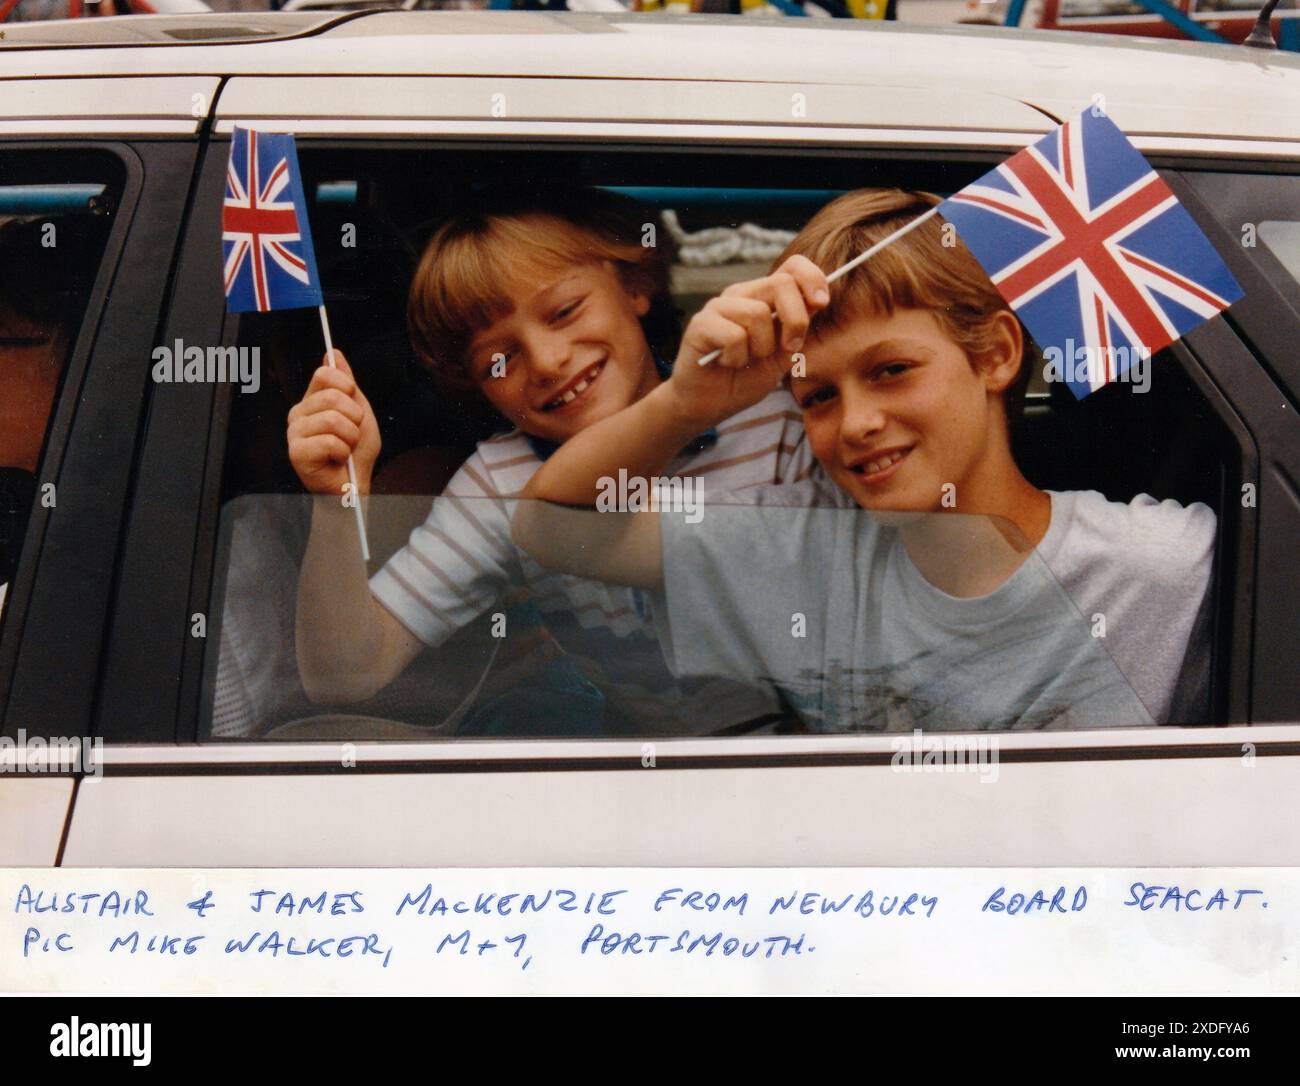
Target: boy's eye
column 816, row 397
column 893, row 369
column 567, row 310
column 497, row 363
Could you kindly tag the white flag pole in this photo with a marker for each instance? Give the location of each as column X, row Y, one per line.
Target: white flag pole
column 859, row 259
column 352, row 468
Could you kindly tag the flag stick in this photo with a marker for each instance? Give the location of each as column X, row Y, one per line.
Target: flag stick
column 352, row 468
column 859, row 259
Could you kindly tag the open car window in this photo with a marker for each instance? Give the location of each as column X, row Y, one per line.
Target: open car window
column 1262, row 211
column 533, row 655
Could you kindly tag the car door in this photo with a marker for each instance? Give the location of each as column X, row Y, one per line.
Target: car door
column 175, row 794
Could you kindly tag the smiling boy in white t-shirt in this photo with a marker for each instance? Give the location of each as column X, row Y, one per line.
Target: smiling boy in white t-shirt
column 922, row 580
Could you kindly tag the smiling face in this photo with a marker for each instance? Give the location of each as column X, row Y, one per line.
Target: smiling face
column 894, row 409
column 570, row 353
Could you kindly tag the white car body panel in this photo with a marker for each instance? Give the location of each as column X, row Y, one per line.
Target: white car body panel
column 174, row 106
column 1154, row 807
column 1223, row 91
column 561, row 101
column 33, row 811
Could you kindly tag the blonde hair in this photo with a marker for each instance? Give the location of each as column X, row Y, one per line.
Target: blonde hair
column 459, row 287
column 922, row 270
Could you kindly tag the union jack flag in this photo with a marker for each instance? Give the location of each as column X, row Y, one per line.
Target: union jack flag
column 1091, row 249
column 265, row 236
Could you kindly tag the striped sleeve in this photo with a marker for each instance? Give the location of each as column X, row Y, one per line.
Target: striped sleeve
column 455, row 564
column 796, row 462
column 763, row 445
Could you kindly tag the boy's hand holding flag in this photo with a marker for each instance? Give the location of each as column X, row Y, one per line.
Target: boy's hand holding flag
column 269, row 262
column 1089, row 247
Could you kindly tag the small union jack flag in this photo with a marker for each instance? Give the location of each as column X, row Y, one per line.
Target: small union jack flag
column 265, row 236
column 1091, row 249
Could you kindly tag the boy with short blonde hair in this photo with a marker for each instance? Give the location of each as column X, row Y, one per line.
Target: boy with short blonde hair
column 965, row 598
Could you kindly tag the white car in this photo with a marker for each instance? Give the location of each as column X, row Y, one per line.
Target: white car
column 153, row 528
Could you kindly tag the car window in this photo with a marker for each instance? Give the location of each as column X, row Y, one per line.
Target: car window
column 1262, row 211
column 53, row 227
column 496, row 646
column 1283, row 240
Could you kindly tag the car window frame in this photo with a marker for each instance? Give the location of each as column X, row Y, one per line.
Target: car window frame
column 50, row 637
column 1265, row 393
column 163, row 638
column 142, row 646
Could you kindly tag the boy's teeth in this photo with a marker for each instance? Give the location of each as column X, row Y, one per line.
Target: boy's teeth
column 578, row 389
column 885, row 461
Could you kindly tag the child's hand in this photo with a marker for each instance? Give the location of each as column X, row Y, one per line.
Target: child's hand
column 333, row 421
column 758, row 325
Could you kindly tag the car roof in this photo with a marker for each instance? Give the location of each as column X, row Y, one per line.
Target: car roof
column 1152, row 88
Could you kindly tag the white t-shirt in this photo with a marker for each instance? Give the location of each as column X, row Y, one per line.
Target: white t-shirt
column 809, row 594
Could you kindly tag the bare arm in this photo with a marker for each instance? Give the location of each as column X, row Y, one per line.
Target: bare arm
column 641, row 439
column 624, row 548
column 349, row 647
column 611, row 546
column 617, row 548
